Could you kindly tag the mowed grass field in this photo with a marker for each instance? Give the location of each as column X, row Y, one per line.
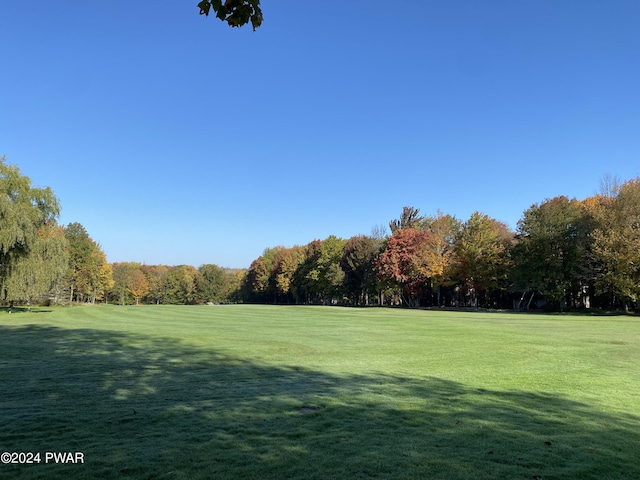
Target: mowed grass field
column 244, row 392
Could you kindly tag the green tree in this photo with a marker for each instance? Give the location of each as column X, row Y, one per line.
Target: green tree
column 156, row 275
column 319, row 276
column 211, row 283
column 331, row 275
column 217, row 284
column 35, row 275
column 120, row 272
column 257, row 285
column 305, row 277
column 235, row 12
column 89, row 276
column 180, row 285
column 483, row 250
column 552, row 252
column 24, row 210
column 357, row 263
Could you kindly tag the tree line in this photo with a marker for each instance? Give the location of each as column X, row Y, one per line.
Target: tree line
column 565, row 254
column 43, row 262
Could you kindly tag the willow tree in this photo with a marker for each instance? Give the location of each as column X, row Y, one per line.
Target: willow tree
column 35, row 275
column 25, row 213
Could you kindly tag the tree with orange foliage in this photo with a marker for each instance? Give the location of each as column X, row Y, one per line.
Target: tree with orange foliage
column 400, row 263
column 616, row 240
column 436, row 255
column 137, row 284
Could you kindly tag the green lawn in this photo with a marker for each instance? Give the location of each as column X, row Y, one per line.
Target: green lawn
column 242, row 392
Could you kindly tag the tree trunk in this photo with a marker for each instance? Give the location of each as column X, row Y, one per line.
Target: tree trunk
column 530, row 299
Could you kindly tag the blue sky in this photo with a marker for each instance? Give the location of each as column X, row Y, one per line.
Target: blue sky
column 175, row 139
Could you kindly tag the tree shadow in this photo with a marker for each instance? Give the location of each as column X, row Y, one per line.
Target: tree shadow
column 22, row 309
column 151, row 408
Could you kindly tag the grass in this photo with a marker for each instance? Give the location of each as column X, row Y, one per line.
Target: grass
column 226, row 392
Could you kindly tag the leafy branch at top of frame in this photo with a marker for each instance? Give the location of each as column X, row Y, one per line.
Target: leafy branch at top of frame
column 235, row 12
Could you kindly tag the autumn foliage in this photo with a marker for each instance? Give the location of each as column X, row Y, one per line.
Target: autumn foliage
column 565, row 254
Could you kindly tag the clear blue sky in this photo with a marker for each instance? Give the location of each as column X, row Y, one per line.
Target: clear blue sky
column 175, row 139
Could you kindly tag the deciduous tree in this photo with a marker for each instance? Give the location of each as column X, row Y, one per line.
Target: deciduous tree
column 257, row 286
column 156, row 275
column 24, row 210
column 211, row 284
column 120, row 273
column 89, row 276
column 36, row 274
column 235, row 280
column 286, row 263
column 217, row 284
column 180, row 285
column 483, row 251
column 616, row 239
column 358, row 262
column 409, row 218
column 137, row 284
column 435, row 256
column 552, row 251
column 319, row 275
column 399, row 263
column 306, row 275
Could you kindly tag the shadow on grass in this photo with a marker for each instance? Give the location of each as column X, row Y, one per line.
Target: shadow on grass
column 149, row 408
column 24, row 310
